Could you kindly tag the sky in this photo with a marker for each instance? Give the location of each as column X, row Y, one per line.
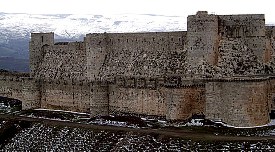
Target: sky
column 159, row 7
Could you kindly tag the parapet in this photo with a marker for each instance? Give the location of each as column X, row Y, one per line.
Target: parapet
column 42, row 38
column 202, row 13
column 269, row 31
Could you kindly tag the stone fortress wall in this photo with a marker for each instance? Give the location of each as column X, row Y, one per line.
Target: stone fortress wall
column 133, row 54
column 221, row 67
column 238, row 102
column 56, row 61
column 206, row 31
column 22, row 87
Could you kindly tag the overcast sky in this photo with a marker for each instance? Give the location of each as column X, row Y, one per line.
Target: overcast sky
column 160, row 7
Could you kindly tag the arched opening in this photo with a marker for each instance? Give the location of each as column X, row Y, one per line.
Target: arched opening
column 9, row 105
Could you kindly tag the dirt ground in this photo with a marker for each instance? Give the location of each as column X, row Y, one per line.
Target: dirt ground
column 163, row 132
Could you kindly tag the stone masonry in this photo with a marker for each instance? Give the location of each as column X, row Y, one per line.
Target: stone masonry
column 221, row 67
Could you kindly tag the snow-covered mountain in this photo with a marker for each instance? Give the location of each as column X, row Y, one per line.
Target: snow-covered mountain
column 69, row 26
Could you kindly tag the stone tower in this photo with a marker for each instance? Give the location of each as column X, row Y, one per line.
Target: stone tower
column 202, row 36
column 36, row 47
column 248, row 28
column 96, row 51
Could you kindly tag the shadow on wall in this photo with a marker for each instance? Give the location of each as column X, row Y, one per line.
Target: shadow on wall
column 272, row 114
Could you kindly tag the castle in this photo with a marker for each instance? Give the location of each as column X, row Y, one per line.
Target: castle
column 221, row 67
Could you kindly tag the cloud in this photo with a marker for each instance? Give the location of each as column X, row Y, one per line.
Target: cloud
column 160, row 7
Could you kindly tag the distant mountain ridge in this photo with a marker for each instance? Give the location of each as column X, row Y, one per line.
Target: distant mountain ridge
column 14, row 26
